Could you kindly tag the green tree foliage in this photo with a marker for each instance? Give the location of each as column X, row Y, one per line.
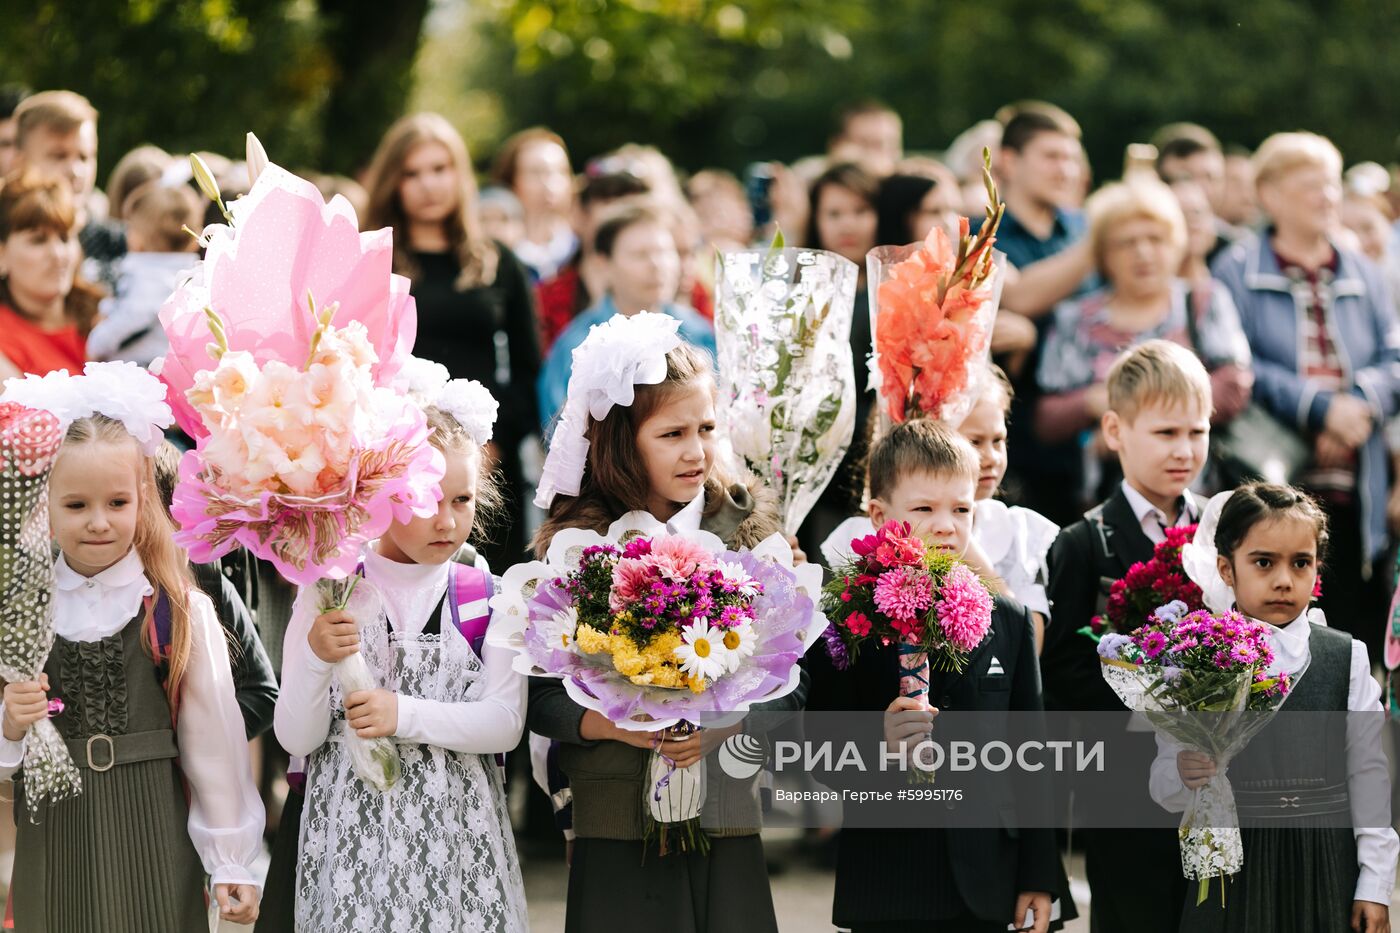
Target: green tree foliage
column 722, row 83
column 317, row 80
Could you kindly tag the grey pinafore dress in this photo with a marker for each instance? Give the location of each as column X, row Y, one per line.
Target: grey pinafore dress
column 117, row 858
column 1300, row 871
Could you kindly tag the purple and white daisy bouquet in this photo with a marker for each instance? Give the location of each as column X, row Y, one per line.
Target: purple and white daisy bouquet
column 658, row 630
column 1203, row 680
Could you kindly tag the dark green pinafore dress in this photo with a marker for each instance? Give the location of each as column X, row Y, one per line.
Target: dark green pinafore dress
column 117, row 858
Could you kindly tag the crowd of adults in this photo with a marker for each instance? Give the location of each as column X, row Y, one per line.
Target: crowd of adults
column 1277, row 266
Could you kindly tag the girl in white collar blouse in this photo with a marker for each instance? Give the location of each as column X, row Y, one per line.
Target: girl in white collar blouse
column 149, row 714
column 1327, row 862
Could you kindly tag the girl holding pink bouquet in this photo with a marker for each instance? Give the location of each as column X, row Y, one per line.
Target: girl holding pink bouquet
column 637, row 433
column 141, row 667
column 982, row 880
column 1324, row 861
column 435, row 852
column 1009, row 543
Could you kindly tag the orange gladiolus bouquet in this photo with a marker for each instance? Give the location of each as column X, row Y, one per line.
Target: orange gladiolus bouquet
column 932, row 306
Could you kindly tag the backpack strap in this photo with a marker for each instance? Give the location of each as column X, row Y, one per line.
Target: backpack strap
column 469, row 592
column 158, row 626
column 1102, row 533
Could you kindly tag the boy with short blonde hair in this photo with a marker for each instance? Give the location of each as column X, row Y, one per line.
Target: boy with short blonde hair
column 1158, row 422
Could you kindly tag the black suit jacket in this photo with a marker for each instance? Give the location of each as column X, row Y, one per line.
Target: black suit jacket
column 1084, row 561
column 889, row 875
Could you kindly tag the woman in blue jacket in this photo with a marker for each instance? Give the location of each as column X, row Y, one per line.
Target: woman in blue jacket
column 1326, row 343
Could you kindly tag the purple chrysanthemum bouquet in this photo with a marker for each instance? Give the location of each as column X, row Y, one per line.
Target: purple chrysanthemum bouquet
column 1203, row 680
column 656, row 630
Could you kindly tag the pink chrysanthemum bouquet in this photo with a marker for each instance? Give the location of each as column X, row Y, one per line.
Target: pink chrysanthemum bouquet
column 899, row 590
column 303, row 452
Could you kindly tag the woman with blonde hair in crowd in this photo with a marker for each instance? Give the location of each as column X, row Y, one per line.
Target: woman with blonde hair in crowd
column 476, row 312
column 1139, row 240
column 1326, row 340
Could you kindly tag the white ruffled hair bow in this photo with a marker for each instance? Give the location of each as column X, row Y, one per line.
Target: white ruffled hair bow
column 1198, row 558
column 468, row 401
column 616, row 357
column 122, row 391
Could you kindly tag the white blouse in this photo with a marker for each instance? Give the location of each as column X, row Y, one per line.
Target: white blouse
column 410, row 592
column 1015, row 540
column 1377, row 850
column 226, row 815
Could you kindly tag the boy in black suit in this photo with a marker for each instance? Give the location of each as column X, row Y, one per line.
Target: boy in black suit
column 972, row 880
column 1158, row 421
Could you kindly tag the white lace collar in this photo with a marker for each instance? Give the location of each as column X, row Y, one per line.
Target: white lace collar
column 1290, row 642
column 994, row 528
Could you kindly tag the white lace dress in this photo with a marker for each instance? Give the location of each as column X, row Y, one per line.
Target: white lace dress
column 435, row 853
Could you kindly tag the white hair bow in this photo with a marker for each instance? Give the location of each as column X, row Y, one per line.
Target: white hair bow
column 1198, row 558
column 616, row 357
column 468, row 401
column 121, row 391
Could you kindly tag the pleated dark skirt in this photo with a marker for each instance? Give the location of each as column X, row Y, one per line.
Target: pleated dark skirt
column 1294, row 880
column 612, row 890
column 116, row 858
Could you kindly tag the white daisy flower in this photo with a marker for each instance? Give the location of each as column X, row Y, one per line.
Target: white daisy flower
column 738, row 643
column 735, row 573
column 702, row 652
column 559, row 631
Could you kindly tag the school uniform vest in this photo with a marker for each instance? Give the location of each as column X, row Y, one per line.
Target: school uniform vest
column 117, row 858
column 1300, row 869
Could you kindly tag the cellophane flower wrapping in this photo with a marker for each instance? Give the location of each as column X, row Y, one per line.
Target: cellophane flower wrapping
column 1134, row 599
column 284, row 344
column 932, row 329
column 1203, row 681
column 29, row 442
column 376, row 761
column 656, row 630
column 786, row 373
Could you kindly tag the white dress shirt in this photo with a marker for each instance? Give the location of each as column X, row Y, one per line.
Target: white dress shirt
column 1153, row 520
column 689, row 517
column 409, row 592
column 1377, row 850
column 226, row 818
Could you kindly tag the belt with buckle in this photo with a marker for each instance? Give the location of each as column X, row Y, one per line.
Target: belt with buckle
column 102, row 752
column 1283, row 802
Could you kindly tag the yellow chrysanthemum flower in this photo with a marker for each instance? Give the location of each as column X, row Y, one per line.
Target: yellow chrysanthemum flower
column 590, row 640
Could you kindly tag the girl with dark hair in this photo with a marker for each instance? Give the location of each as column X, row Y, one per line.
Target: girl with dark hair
column 1326, row 858
column 655, row 452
